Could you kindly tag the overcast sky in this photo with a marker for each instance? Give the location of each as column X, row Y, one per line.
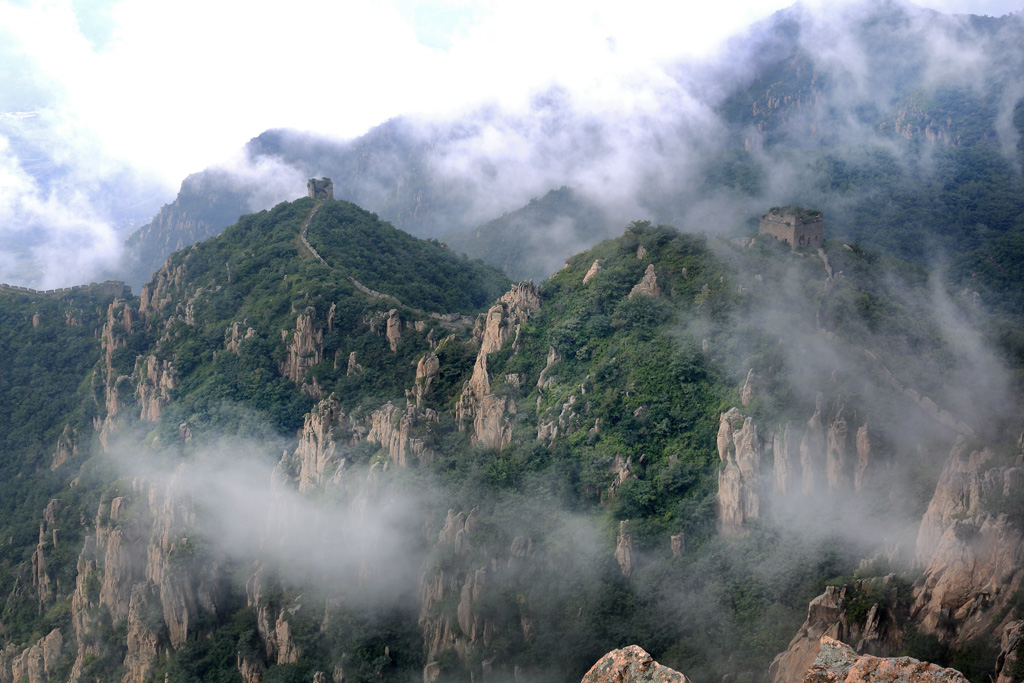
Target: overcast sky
column 161, row 89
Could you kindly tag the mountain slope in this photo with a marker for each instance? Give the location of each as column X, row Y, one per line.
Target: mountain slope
column 675, row 440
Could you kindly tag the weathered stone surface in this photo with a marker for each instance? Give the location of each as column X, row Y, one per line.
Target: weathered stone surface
column 67, row 446
column 143, row 643
column 631, row 665
column 836, row 662
column 392, row 428
column 812, row 449
column 972, row 554
column 1010, row 653
column 823, row 619
column 393, row 329
column 233, row 337
column 835, row 453
column 739, row 479
column 595, row 267
column 863, row 442
column 316, row 454
column 156, row 381
column 427, row 370
column 624, row 550
column 492, row 415
column 786, row 465
column 747, row 392
column 304, row 347
column 648, row 285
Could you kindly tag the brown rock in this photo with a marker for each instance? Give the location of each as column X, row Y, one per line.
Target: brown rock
column 838, row 663
column 631, row 665
column 1010, row 653
column 648, row 285
column 835, row 454
column 863, row 457
column 739, row 479
column 812, row 448
column 393, row 331
column 747, row 392
column 304, row 348
column 595, row 267
column 624, row 550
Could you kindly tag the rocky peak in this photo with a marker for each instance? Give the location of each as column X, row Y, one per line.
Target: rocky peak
column 648, row 285
column 233, row 336
column 427, row 369
column 492, row 415
column 392, row 428
column 970, row 546
column 304, row 346
column 631, row 665
column 316, row 454
column 739, row 448
column 624, row 550
column 156, row 382
column 393, row 329
column 837, row 662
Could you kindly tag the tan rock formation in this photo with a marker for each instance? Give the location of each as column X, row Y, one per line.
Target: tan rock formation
column 823, row 619
column 393, row 330
column 144, row 645
column 67, row 446
column 139, row 565
column 1011, row 653
column 863, row 442
column 747, row 392
column 427, row 370
column 812, row 450
column 595, row 268
column 837, row 662
column 648, row 285
column 392, row 428
column 969, row 547
column 624, row 550
column 786, row 466
column 233, row 337
column 156, row 382
column 677, row 543
column 354, row 368
column 835, row 454
column 739, row 481
column 631, row 665
column 316, row 456
column 304, row 347
column 33, row 664
column 491, row 415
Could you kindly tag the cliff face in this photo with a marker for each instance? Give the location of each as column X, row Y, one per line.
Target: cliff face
column 141, row 570
column 837, row 662
column 970, row 554
column 631, row 665
column 739, row 449
column 490, row 414
column 970, row 546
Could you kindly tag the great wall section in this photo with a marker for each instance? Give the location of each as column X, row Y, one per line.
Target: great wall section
column 109, row 287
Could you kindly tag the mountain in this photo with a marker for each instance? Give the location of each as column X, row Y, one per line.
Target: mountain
column 315, row 446
column 902, row 124
column 531, row 243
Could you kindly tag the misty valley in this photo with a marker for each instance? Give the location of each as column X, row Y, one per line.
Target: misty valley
column 732, row 396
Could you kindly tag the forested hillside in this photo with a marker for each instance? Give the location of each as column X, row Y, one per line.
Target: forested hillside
column 296, row 453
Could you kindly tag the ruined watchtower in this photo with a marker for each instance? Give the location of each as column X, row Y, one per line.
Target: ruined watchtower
column 320, row 189
column 796, row 225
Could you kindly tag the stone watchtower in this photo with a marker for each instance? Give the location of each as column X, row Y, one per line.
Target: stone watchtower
column 320, row 189
column 796, row 225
